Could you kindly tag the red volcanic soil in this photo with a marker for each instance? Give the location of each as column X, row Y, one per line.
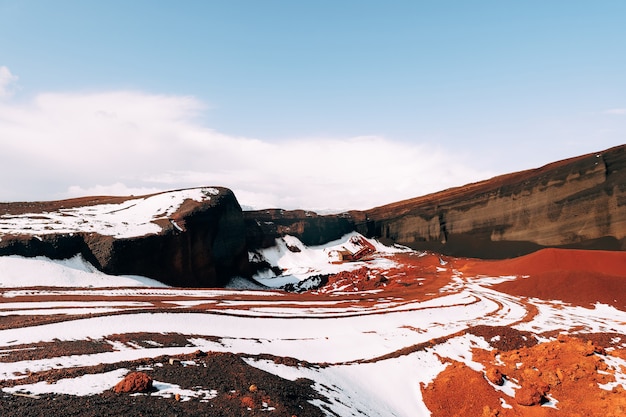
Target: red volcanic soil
column 578, row 277
column 417, row 277
column 567, row 369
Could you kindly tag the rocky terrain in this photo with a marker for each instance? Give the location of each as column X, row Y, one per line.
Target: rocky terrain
column 396, row 333
column 483, row 300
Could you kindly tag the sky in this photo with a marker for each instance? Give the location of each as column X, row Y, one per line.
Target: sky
column 322, row 105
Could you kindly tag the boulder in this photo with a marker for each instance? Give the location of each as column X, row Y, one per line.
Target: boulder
column 134, row 382
column 531, row 394
column 495, row 376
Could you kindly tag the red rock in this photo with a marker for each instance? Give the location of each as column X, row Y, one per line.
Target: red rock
column 529, row 395
column 248, row 402
column 134, row 382
column 495, row 376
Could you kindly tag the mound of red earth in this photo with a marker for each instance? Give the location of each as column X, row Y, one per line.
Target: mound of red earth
column 579, row 277
column 574, row 276
column 134, row 382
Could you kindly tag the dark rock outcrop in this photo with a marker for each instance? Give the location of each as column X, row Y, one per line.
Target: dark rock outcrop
column 574, row 203
column 209, row 250
column 264, row 226
column 201, row 244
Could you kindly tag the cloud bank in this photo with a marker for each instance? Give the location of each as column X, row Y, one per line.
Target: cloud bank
column 60, row 145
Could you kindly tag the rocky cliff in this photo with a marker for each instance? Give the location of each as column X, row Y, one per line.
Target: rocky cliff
column 264, row 226
column 200, row 237
column 574, row 203
column 190, row 238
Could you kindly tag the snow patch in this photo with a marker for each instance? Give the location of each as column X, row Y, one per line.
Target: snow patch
column 297, row 262
column 89, row 384
column 18, row 271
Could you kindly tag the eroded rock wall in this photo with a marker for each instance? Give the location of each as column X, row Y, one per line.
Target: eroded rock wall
column 264, row 226
column 580, row 202
column 203, row 244
column 209, row 250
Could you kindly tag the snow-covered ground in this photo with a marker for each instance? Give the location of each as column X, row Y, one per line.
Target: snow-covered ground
column 371, row 368
column 18, row 271
column 299, row 262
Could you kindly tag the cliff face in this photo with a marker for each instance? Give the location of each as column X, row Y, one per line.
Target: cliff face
column 189, row 238
column 578, row 203
column 264, row 226
column 201, row 238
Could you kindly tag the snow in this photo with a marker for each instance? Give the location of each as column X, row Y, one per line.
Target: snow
column 138, row 292
column 167, row 390
column 302, row 262
column 321, row 339
column 389, row 387
column 459, row 349
column 89, row 384
column 18, row 271
column 618, row 365
column 556, row 315
column 550, row 402
column 508, row 387
column 133, row 217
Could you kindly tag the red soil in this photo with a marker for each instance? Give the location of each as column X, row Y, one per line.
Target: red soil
column 578, row 277
column 567, row 370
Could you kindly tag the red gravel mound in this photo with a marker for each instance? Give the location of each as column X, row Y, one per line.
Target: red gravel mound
column 134, row 382
column 580, row 277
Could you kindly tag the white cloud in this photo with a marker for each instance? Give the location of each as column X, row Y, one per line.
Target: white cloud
column 7, row 80
column 123, row 142
column 616, row 111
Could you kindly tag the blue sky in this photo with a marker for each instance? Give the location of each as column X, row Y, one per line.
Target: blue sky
column 311, row 104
